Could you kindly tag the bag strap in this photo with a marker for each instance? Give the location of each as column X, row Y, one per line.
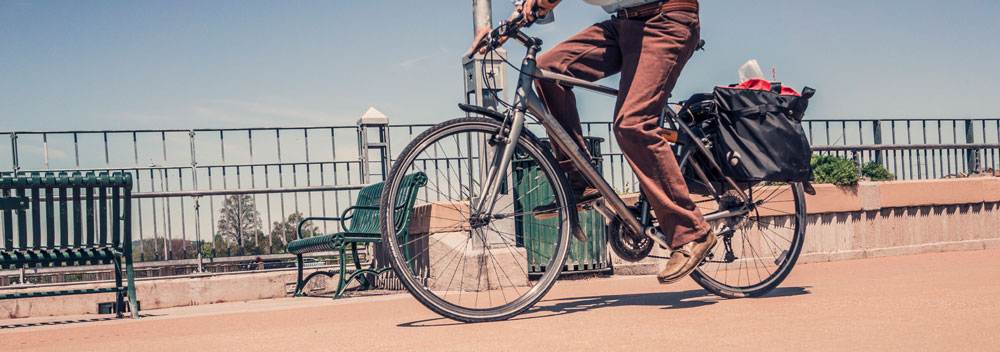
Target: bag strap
column 776, row 87
column 808, row 92
column 756, row 110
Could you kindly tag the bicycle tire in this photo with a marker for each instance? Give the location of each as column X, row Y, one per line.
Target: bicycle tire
column 714, row 276
column 424, row 283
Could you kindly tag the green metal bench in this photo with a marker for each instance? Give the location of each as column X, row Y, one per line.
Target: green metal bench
column 363, row 228
column 67, row 220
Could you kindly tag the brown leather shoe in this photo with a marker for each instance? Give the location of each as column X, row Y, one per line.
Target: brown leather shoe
column 685, row 259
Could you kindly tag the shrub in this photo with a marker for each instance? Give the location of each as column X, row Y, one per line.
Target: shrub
column 835, row 170
column 876, row 172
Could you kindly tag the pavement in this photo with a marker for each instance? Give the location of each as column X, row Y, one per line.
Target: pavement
column 940, row 301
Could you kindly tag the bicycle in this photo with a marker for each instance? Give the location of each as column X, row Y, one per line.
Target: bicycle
column 474, row 251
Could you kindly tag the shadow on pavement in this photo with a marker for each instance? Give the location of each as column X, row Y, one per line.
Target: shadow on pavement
column 67, row 322
column 665, row 300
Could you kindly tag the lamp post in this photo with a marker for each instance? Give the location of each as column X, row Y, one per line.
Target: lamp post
column 485, row 83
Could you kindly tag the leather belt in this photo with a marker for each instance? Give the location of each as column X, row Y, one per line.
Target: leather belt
column 647, row 11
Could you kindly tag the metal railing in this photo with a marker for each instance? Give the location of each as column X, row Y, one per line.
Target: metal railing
column 317, row 170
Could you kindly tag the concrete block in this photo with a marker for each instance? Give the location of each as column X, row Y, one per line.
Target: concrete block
column 440, row 217
column 934, row 192
column 871, row 195
column 458, row 264
column 832, row 199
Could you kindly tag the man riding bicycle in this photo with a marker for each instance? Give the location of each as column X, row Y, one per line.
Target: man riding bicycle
column 648, row 42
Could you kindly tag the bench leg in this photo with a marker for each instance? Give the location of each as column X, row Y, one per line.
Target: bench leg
column 357, row 275
column 130, row 276
column 368, row 282
column 299, row 285
column 341, row 283
column 365, row 277
column 120, row 292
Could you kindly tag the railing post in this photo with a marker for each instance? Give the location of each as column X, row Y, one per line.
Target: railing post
column 13, row 150
column 971, row 155
column 373, row 119
column 857, row 160
column 878, row 140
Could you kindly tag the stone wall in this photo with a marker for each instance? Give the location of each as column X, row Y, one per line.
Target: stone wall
column 870, row 220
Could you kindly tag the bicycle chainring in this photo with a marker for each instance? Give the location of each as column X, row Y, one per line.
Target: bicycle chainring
column 627, row 245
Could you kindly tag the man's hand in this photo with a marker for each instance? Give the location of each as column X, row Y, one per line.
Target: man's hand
column 480, row 35
column 528, row 10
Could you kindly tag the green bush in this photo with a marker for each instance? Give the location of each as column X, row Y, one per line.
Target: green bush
column 876, row 172
column 835, row 170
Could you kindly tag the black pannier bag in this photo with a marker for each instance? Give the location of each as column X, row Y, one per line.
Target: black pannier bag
column 758, row 132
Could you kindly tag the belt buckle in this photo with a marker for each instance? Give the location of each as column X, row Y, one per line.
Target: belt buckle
column 631, row 14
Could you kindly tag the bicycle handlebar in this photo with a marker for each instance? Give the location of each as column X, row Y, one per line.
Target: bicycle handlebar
column 505, row 29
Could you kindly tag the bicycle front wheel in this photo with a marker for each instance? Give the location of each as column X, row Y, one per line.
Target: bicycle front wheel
column 462, row 258
column 757, row 250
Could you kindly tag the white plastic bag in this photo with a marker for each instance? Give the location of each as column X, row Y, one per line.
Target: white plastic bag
column 750, row 70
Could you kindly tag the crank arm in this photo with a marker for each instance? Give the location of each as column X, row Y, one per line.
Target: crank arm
column 728, row 213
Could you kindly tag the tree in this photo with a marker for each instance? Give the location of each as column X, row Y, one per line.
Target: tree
column 285, row 231
column 240, row 222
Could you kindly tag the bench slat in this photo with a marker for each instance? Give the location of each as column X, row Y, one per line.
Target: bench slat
column 77, row 210
column 36, row 216
column 8, row 218
column 116, row 217
column 22, row 221
column 366, row 220
column 63, row 214
column 50, row 212
column 103, row 205
column 89, row 215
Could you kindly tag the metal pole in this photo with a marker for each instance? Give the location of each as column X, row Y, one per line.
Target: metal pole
column 482, row 14
column 194, row 200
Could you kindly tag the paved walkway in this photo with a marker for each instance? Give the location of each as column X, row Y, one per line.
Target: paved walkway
column 924, row 302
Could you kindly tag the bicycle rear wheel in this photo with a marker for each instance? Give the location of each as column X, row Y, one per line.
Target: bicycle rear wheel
column 470, row 265
column 756, row 251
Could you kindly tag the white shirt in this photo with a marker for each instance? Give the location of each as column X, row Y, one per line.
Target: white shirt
column 612, row 6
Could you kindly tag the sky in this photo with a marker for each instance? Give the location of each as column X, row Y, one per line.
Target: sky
column 214, row 64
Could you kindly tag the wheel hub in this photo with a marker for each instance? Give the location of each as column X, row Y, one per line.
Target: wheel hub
column 479, row 220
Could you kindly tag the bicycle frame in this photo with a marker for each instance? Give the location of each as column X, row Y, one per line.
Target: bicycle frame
column 525, row 100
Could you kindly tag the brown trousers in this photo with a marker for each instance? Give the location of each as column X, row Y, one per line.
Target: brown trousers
column 649, row 55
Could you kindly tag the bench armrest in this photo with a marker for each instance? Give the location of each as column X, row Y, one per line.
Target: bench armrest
column 298, row 232
column 344, row 216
